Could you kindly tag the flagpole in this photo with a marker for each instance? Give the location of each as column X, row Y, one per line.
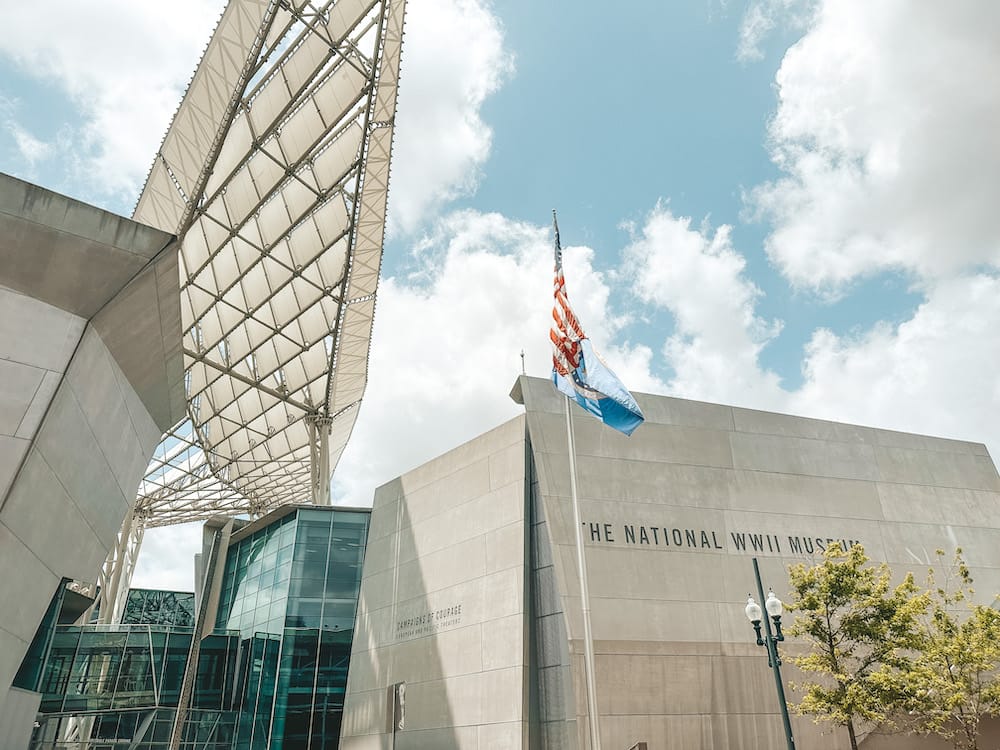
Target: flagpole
column 588, row 640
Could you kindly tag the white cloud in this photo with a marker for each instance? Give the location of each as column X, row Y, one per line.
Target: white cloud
column 699, row 277
column 886, row 131
column 124, row 65
column 934, row 373
column 167, row 555
column 453, row 60
column 31, row 148
column 762, row 17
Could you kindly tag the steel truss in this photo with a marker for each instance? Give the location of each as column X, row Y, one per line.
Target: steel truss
column 275, row 175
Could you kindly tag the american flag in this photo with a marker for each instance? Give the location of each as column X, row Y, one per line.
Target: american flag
column 578, row 371
column 566, row 333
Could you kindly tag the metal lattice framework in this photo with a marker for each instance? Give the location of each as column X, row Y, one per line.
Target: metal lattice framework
column 275, row 175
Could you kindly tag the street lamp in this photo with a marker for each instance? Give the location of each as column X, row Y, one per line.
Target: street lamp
column 754, row 614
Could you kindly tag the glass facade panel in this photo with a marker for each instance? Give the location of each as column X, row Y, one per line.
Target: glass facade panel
column 253, row 579
column 273, row 674
column 143, row 730
column 150, row 607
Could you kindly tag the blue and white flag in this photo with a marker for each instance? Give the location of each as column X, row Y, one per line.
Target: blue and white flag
column 578, row 371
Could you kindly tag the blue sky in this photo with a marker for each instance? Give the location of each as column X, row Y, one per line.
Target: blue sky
column 776, row 204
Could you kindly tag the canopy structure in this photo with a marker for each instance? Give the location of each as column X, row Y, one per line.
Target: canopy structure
column 274, row 173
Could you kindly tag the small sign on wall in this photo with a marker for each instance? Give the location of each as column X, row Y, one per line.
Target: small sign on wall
column 395, row 707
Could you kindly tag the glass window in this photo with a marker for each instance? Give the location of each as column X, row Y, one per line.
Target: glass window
column 278, row 607
column 249, row 603
column 283, row 557
column 306, row 588
column 342, row 586
column 303, row 614
column 243, row 553
column 269, row 560
column 264, row 596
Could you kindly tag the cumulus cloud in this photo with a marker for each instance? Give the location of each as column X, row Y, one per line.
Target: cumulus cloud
column 125, row 74
column 453, row 60
column 886, row 132
column 934, row 373
column 701, row 279
column 32, row 149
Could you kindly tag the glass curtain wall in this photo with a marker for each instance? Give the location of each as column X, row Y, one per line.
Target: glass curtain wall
column 136, row 730
column 119, row 686
column 299, row 579
column 255, row 583
column 93, row 669
column 271, row 677
column 30, row 672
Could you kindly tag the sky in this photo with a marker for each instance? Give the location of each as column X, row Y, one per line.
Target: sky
column 783, row 205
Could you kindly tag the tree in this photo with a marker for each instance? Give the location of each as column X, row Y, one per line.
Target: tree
column 954, row 681
column 860, row 631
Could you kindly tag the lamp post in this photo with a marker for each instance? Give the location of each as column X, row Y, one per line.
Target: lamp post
column 770, row 640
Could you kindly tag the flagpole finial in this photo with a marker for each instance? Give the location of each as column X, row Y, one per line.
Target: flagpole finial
column 523, row 371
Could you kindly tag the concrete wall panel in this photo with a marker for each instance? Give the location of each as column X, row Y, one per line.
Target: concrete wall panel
column 792, row 455
column 443, row 602
column 30, row 583
column 69, row 547
column 67, row 444
column 11, row 649
column 32, row 419
column 768, row 423
column 97, row 389
column 21, row 382
column 36, row 333
column 17, row 712
column 89, row 358
column 922, row 504
column 68, row 253
column 12, row 453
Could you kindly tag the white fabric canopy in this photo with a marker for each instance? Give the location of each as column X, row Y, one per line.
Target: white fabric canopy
column 275, row 175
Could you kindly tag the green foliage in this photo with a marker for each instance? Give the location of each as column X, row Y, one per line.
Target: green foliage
column 953, row 680
column 860, row 630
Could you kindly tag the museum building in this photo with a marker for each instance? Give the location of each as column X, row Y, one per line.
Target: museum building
column 449, row 616
column 470, row 595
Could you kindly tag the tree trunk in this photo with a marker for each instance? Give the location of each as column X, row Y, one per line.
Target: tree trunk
column 850, row 733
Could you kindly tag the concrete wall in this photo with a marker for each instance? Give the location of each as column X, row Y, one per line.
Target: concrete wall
column 90, row 376
column 672, row 518
column 700, row 485
column 443, row 605
column 17, row 713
